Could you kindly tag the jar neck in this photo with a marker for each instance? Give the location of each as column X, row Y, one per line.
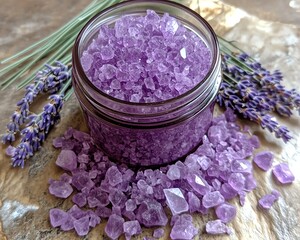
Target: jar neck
column 165, row 112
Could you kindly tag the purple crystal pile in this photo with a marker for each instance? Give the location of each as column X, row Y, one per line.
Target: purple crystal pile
column 208, row 178
column 145, row 59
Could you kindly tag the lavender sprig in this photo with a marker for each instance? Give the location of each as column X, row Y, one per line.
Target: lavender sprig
column 50, row 79
column 229, row 97
column 254, row 92
column 37, row 129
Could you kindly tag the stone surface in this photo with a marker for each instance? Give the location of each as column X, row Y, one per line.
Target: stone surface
column 24, row 201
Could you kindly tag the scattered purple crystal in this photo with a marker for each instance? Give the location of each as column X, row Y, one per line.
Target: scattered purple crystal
column 206, row 179
column 283, row 173
column 79, row 199
column 131, row 228
column 176, row 201
column 194, row 202
column 150, row 213
column 82, row 226
column 212, row 199
column 217, row 227
column 198, row 183
column 114, row 176
column 225, row 212
column 114, row 226
column 237, row 181
column 68, row 224
column 57, row 217
column 60, row 189
column 67, row 160
column 267, row 201
column 183, row 228
column 264, row 160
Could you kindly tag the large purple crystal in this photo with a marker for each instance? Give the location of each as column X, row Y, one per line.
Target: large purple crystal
column 225, row 212
column 176, row 200
column 283, row 173
column 183, row 229
column 264, row 160
column 67, row 160
column 150, row 213
column 212, row 199
column 114, row 226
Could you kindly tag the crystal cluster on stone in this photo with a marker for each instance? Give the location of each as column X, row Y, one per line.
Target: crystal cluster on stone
column 283, row 173
column 146, row 59
column 215, row 173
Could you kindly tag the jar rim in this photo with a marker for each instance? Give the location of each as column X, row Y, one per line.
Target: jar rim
column 80, row 71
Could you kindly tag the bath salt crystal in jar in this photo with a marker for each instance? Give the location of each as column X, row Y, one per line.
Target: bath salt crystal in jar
column 146, row 74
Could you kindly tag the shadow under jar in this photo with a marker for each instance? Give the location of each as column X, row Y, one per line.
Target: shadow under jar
column 147, row 134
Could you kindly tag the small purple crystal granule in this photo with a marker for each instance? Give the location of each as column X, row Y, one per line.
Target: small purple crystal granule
column 215, row 173
column 268, row 200
column 283, row 173
column 183, row 228
column 176, row 201
column 146, row 59
column 264, row 160
column 217, row 227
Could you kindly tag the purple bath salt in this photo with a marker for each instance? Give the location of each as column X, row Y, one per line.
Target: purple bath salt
column 268, row 200
column 217, row 227
column 82, row 226
column 139, row 60
column 283, row 173
column 146, row 61
column 176, row 200
column 114, row 226
column 264, row 160
column 60, row 189
column 134, row 199
column 225, row 212
column 57, row 217
column 67, row 160
column 212, row 199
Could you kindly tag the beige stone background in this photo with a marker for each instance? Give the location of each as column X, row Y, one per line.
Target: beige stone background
column 268, row 29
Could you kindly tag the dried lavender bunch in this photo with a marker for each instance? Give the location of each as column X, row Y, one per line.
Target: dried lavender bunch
column 50, row 79
column 37, row 129
column 254, row 92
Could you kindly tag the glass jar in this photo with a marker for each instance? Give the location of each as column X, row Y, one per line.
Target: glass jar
column 147, row 134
